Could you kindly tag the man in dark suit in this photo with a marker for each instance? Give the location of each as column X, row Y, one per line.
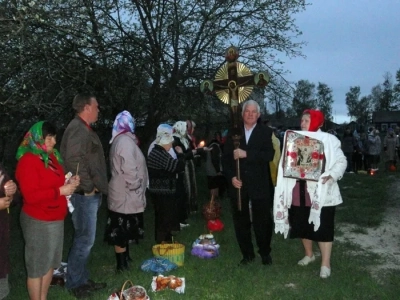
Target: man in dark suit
column 254, row 154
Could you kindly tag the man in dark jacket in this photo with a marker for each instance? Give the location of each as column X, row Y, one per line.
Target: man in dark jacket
column 83, row 153
column 254, row 154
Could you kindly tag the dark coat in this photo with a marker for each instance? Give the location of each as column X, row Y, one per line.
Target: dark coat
column 254, row 169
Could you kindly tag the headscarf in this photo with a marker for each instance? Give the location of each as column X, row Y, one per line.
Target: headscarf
column 316, row 119
column 164, row 134
column 33, row 142
column 124, row 122
column 180, row 131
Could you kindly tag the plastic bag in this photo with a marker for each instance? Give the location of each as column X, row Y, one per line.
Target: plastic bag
column 158, row 265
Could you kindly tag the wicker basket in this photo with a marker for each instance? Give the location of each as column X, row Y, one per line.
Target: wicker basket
column 212, row 210
column 135, row 292
column 174, row 252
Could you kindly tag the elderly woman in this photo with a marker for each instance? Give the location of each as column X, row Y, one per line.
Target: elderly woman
column 163, row 173
column 126, row 189
column 306, row 209
column 8, row 189
column 44, row 190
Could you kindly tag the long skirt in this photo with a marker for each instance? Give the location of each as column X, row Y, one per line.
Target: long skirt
column 191, row 186
column 299, row 214
column 43, row 244
column 123, row 228
column 165, row 217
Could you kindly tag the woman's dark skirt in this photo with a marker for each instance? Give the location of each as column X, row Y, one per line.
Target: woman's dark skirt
column 121, row 229
column 299, row 213
column 43, row 244
column 165, row 217
column 300, row 228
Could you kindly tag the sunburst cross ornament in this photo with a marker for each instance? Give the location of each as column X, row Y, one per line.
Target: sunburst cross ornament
column 234, row 82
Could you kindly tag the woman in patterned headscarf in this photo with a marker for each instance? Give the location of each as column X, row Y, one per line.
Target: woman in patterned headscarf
column 126, row 189
column 41, row 181
column 307, row 207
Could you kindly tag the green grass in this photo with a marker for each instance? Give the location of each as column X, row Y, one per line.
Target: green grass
column 364, row 200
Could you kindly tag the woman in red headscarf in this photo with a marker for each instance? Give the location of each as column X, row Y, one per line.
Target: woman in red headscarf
column 305, row 209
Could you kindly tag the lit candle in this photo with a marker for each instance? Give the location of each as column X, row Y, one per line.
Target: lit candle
column 201, row 144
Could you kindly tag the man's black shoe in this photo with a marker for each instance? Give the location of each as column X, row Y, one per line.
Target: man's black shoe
column 94, row 286
column 246, row 261
column 266, row 260
column 81, row 292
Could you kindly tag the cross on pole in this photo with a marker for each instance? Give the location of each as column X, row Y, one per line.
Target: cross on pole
column 233, row 84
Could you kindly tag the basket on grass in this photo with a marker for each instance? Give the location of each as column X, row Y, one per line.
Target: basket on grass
column 174, row 252
column 134, row 292
column 212, row 210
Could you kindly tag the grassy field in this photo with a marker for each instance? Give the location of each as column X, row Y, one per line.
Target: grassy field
column 364, row 196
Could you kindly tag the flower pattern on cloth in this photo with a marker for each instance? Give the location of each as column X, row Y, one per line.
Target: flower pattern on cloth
column 34, row 142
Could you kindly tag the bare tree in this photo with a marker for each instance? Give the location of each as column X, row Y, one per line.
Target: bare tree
column 144, row 56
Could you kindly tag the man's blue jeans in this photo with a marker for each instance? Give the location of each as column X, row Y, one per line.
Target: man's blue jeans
column 84, row 218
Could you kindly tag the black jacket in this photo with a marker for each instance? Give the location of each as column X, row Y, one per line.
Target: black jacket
column 254, row 169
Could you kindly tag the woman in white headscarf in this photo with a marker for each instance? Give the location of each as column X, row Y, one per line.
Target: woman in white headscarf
column 163, row 172
column 126, row 189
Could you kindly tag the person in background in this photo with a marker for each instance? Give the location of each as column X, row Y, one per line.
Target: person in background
column 254, row 154
column 126, row 189
column 273, row 165
column 83, row 153
column 308, row 208
column 190, row 169
column 163, row 174
column 184, row 187
column 365, row 156
column 42, row 182
column 8, row 196
column 191, row 126
column 375, row 148
column 390, row 146
column 215, row 180
column 349, row 146
column 357, row 154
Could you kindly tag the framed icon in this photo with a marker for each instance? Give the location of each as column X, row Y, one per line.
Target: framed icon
column 303, row 157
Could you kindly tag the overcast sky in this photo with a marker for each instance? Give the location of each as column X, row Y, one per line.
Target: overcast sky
column 350, row 43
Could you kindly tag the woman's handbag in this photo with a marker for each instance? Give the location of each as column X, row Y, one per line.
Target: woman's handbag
column 162, row 185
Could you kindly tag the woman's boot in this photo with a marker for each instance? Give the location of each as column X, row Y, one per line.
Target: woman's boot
column 122, row 264
column 127, row 256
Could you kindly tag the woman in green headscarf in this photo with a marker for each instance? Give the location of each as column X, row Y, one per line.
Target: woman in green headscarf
column 44, row 189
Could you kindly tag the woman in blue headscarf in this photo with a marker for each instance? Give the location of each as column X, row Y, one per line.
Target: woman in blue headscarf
column 126, row 189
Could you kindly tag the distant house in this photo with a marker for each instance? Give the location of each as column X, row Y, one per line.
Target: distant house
column 383, row 120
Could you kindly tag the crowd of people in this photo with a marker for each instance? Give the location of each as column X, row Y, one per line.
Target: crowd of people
column 364, row 150
column 262, row 197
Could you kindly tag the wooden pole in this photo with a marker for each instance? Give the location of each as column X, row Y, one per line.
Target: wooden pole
column 236, row 143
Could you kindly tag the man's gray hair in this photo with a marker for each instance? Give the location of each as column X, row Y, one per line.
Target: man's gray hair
column 251, row 102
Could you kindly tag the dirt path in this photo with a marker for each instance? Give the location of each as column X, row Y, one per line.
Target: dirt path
column 384, row 240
